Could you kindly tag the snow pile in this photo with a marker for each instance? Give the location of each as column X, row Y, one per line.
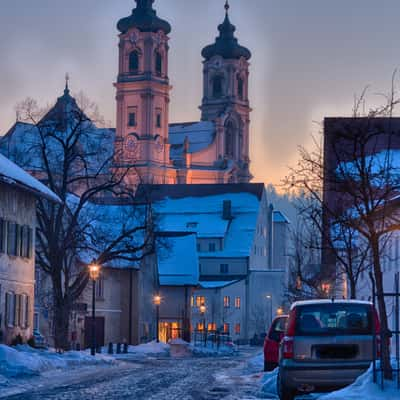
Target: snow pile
column 211, row 350
column 24, row 360
column 365, row 386
column 269, row 382
column 151, row 349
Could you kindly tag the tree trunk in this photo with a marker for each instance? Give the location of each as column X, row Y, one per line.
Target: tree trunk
column 385, row 349
column 62, row 312
column 353, row 289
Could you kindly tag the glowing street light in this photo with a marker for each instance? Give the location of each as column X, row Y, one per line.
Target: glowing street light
column 94, row 274
column 279, row 311
column 269, row 297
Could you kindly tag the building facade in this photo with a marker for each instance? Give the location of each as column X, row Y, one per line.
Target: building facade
column 18, row 195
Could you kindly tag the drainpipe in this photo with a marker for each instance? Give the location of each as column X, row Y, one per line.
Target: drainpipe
column 130, row 304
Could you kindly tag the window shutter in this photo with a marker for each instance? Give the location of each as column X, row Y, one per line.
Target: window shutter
column 27, row 312
column 16, row 310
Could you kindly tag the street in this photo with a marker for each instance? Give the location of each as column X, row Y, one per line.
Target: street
column 211, row 378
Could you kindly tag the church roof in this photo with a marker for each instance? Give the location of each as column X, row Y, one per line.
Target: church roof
column 144, row 18
column 198, row 134
column 226, row 45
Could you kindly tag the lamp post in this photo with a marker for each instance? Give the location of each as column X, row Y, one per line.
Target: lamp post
column 157, row 302
column 203, row 314
column 269, row 297
column 94, row 273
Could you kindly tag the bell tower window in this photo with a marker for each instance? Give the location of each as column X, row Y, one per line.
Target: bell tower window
column 240, row 88
column 132, row 119
column 158, row 62
column 134, row 62
column 217, row 87
column 158, row 120
column 230, row 140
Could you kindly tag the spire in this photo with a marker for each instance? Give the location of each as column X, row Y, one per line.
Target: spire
column 66, row 90
column 226, row 45
column 144, row 18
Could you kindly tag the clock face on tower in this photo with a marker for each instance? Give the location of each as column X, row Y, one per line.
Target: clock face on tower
column 131, row 146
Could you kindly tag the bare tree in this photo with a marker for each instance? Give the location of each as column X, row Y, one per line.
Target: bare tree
column 73, row 158
column 355, row 184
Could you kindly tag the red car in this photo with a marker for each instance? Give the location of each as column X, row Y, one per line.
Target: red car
column 272, row 340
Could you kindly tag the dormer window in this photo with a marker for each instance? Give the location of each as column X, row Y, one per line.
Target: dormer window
column 134, row 62
column 217, row 87
column 158, row 62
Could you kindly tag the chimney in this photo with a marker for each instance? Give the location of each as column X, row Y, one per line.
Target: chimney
column 227, row 210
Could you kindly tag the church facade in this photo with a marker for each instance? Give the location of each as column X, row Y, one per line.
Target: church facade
column 212, row 150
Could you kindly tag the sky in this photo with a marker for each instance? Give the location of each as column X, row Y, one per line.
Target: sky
column 310, row 58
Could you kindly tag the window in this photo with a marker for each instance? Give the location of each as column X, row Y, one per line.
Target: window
column 192, row 301
column 212, row 326
column 134, row 62
column 198, row 247
column 227, row 301
column 230, row 139
column 223, row 268
column 217, row 87
column 158, row 62
column 211, row 246
column 25, row 241
column 158, row 120
column 237, row 302
column 100, row 288
column 200, row 300
column 132, row 119
column 2, row 236
column 240, row 88
column 226, row 328
column 200, row 326
column 12, row 239
column 10, row 309
column 237, row 329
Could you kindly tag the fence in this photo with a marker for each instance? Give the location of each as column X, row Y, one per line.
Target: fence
column 385, row 336
column 210, row 338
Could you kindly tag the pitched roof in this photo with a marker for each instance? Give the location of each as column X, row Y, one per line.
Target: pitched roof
column 178, row 264
column 11, row 174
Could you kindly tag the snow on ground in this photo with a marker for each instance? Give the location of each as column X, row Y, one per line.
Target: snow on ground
column 151, row 349
column 212, row 350
column 23, row 360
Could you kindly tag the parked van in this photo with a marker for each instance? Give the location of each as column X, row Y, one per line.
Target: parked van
column 327, row 345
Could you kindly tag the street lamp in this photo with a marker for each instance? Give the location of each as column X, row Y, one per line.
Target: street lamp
column 94, row 273
column 269, row 297
column 203, row 314
column 157, row 302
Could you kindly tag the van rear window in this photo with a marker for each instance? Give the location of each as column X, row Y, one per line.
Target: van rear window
column 334, row 319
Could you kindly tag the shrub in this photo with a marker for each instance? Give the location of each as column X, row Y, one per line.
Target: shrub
column 17, row 340
column 31, row 342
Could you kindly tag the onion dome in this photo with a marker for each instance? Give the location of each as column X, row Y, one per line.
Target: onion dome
column 144, row 18
column 226, row 45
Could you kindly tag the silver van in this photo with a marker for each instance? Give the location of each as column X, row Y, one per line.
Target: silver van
column 327, row 345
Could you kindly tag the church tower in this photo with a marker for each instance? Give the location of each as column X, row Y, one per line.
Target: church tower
column 225, row 97
column 143, row 95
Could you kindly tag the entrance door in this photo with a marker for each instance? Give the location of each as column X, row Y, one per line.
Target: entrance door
column 100, row 323
column 169, row 330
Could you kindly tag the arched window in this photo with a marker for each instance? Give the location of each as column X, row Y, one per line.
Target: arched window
column 230, row 139
column 217, row 87
column 134, row 62
column 240, row 88
column 158, row 63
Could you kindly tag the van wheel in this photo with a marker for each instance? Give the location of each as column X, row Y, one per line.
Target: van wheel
column 284, row 392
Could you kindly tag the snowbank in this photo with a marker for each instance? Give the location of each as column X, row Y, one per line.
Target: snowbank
column 256, row 363
column 269, row 382
column 142, row 350
column 365, row 387
column 24, row 360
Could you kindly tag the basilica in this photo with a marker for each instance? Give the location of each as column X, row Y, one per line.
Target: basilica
column 212, row 150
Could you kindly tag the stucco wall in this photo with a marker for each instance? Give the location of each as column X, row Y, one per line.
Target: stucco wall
column 17, row 273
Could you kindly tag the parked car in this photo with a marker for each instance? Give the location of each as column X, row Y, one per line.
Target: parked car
column 272, row 340
column 327, row 345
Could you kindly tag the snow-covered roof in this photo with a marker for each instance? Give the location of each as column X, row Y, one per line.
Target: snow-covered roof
column 216, row 284
column 203, row 216
column 178, row 262
column 199, row 135
column 12, row 174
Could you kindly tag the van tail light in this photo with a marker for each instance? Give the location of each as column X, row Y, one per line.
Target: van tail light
column 288, row 347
